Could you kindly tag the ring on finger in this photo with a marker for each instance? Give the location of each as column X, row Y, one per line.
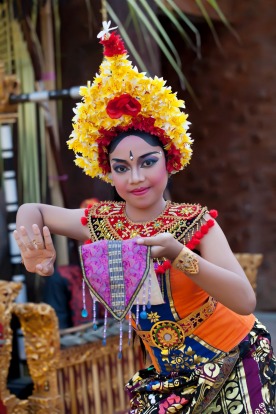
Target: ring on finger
column 35, row 243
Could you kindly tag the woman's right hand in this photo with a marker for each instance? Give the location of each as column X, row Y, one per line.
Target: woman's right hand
column 38, row 253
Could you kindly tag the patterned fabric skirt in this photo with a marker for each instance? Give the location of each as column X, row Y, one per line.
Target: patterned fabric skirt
column 242, row 382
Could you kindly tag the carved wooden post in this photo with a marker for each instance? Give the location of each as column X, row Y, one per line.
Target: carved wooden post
column 42, row 346
column 10, row 403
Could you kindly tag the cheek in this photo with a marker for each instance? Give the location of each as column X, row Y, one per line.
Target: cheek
column 118, row 182
column 161, row 175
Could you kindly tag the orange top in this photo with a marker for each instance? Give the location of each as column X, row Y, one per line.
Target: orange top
column 224, row 329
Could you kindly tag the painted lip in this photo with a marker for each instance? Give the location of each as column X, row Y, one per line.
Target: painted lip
column 140, row 191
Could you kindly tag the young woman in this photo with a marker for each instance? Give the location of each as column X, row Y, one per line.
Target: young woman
column 209, row 353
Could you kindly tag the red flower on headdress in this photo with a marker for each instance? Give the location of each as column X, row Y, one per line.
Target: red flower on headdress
column 124, row 104
column 113, row 45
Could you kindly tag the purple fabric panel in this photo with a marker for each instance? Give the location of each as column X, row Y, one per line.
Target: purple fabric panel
column 134, row 264
column 253, row 381
column 95, row 263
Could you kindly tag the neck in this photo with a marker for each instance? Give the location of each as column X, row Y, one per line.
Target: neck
column 136, row 214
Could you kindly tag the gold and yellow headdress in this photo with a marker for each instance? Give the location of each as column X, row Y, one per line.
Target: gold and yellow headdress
column 121, row 98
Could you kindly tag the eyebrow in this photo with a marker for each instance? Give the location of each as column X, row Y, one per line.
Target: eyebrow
column 141, row 156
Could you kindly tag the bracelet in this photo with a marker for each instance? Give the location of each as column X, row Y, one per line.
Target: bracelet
column 187, row 262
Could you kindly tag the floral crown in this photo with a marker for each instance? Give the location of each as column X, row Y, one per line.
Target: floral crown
column 121, row 98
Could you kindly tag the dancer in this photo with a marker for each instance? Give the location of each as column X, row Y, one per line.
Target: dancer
column 209, row 353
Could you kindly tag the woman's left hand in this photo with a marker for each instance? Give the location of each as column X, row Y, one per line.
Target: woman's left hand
column 162, row 245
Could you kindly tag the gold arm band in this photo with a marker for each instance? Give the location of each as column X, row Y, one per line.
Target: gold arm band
column 187, row 262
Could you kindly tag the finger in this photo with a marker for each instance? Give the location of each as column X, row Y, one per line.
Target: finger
column 19, row 242
column 26, row 239
column 149, row 241
column 48, row 239
column 38, row 240
column 43, row 270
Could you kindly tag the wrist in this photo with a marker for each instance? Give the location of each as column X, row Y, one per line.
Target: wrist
column 187, row 262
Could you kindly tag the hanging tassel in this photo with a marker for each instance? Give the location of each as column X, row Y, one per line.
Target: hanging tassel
column 143, row 314
column 84, row 312
column 129, row 328
column 137, row 312
column 121, row 341
column 95, row 326
column 149, row 292
column 105, row 325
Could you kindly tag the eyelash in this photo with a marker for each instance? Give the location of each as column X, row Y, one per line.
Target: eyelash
column 151, row 160
column 117, row 168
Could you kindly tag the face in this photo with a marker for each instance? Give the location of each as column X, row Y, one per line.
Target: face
column 138, row 171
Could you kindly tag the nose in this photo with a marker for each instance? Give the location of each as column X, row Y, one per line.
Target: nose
column 136, row 175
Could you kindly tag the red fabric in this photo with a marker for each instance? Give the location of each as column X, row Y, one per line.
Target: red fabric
column 73, row 274
column 3, row 409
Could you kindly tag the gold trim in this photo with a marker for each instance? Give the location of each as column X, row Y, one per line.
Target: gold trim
column 169, row 293
column 186, row 262
column 188, row 324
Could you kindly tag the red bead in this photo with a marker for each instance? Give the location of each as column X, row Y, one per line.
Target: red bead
column 84, row 221
column 190, row 245
column 160, row 269
column 213, row 213
column 167, row 265
column 204, row 229
column 198, row 235
column 210, row 223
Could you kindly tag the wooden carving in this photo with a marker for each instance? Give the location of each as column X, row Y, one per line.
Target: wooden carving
column 8, row 292
column 9, row 84
column 42, row 346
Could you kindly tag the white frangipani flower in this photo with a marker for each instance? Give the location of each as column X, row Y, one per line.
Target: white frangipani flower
column 106, row 29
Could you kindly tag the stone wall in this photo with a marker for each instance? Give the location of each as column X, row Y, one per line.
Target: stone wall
column 233, row 166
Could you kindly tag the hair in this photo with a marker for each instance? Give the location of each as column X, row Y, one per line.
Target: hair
column 152, row 140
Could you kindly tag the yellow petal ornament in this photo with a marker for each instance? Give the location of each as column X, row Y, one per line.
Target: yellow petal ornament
column 119, row 99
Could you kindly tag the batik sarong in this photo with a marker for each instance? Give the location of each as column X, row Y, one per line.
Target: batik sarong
column 242, row 381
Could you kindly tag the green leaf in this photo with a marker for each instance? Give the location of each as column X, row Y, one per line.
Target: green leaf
column 161, row 29
column 209, row 22
column 127, row 39
column 188, row 22
column 157, row 38
column 222, row 17
column 176, row 23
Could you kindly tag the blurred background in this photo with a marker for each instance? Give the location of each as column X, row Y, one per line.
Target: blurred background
column 227, row 79
column 219, row 57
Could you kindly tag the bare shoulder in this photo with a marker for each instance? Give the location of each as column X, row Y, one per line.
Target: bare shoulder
column 215, row 248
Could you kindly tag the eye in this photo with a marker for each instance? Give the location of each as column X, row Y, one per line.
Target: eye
column 149, row 162
column 120, row 168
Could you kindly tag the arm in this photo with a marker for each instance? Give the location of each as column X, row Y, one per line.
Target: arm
column 219, row 274
column 35, row 223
